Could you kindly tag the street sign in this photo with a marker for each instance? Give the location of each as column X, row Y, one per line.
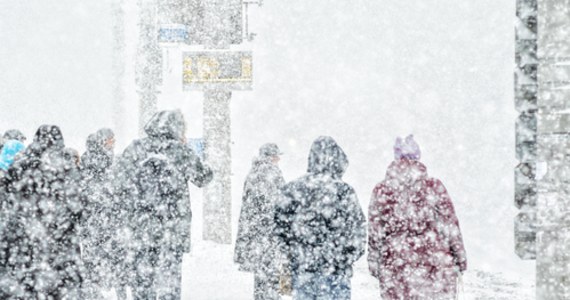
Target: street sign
column 172, row 33
column 228, row 70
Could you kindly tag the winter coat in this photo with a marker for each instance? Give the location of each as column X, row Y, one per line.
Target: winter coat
column 102, row 219
column 152, row 183
column 318, row 218
column 256, row 247
column 415, row 246
column 40, row 244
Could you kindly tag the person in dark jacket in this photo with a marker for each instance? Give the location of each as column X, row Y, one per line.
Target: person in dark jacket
column 415, row 248
column 40, row 245
column 322, row 226
column 256, row 248
column 101, row 219
column 153, row 175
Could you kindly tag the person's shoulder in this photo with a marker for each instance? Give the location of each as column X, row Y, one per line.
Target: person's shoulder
column 296, row 183
column 434, row 183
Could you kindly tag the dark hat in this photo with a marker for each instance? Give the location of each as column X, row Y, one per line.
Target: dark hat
column 269, row 149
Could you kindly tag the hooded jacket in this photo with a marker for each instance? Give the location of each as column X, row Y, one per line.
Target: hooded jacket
column 318, row 219
column 256, row 247
column 151, row 180
column 40, row 246
column 414, row 243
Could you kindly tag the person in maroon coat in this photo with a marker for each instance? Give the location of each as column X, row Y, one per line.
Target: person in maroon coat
column 415, row 248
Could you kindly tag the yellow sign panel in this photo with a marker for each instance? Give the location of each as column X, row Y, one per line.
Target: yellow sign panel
column 233, row 70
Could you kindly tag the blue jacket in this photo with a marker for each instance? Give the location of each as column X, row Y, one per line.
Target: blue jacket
column 9, row 151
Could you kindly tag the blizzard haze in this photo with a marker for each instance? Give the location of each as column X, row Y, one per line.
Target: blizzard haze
column 361, row 71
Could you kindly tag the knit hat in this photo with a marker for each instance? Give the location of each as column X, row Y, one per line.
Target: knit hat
column 407, row 149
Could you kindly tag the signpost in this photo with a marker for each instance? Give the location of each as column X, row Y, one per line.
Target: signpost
column 217, row 73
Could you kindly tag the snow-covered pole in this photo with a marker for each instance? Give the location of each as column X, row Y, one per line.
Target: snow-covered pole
column 119, row 67
column 217, row 140
column 149, row 62
column 222, row 27
column 552, row 271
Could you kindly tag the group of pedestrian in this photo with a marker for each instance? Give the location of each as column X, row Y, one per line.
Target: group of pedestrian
column 303, row 237
column 73, row 225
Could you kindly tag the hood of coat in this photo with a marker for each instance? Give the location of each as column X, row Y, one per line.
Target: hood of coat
column 327, row 157
column 405, row 172
column 47, row 137
column 167, row 124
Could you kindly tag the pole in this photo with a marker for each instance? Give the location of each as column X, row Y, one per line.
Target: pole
column 119, row 69
column 217, row 139
column 149, row 62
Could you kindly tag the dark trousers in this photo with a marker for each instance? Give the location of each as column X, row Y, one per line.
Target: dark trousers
column 158, row 273
column 266, row 286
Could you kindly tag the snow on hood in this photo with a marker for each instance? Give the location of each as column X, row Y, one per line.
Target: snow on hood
column 327, row 156
column 47, row 137
column 167, row 124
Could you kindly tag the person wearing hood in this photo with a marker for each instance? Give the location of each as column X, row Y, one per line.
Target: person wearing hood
column 256, row 249
column 152, row 182
column 100, row 222
column 321, row 225
column 415, row 248
column 40, row 248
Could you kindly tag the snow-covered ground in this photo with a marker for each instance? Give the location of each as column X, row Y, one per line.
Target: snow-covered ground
column 210, row 274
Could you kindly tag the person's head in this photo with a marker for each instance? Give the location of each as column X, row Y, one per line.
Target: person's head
column 106, row 137
column 48, row 137
column 167, row 125
column 407, row 149
column 14, row 134
column 270, row 152
column 326, row 157
column 71, row 157
column 9, row 153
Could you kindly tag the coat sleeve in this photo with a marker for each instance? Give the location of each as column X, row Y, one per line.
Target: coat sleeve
column 246, row 232
column 451, row 223
column 284, row 211
column 197, row 171
column 356, row 229
column 375, row 233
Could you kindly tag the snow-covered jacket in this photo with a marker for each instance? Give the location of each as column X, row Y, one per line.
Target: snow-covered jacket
column 318, row 218
column 152, row 182
column 415, row 246
column 256, row 246
column 102, row 220
column 40, row 242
